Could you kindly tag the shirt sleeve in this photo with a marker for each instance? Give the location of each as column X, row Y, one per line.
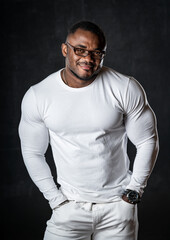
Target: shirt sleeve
column 140, row 123
column 34, row 142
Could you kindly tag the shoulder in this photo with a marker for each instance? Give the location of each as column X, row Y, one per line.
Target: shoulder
column 119, row 80
column 126, row 89
column 114, row 79
column 41, row 91
column 44, row 88
column 114, row 76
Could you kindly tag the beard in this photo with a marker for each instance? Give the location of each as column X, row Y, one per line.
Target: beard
column 85, row 78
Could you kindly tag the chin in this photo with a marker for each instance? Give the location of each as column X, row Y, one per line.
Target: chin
column 84, row 77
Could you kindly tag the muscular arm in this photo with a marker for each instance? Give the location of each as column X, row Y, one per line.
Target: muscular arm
column 34, row 142
column 140, row 123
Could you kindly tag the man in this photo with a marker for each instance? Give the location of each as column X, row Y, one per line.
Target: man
column 86, row 112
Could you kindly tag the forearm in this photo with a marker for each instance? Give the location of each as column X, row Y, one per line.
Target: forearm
column 40, row 173
column 143, row 164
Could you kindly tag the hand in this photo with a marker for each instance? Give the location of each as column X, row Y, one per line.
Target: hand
column 66, row 201
column 126, row 199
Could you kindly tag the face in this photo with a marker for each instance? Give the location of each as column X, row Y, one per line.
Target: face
column 83, row 68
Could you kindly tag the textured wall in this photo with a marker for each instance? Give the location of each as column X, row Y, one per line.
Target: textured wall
column 33, row 30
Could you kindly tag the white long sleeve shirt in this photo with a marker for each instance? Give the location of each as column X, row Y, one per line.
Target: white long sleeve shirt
column 87, row 129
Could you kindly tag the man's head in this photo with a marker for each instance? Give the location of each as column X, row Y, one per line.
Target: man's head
column 91, row 27
column 84, row 50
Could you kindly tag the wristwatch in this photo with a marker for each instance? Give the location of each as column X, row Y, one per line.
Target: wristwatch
column 131, row 196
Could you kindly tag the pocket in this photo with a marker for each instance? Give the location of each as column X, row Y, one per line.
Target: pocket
column 63, row 213
column 61, row 204
column 128, row 204
column 65, row 203
column 127, row 211
column 125, row 216
column 65, row 216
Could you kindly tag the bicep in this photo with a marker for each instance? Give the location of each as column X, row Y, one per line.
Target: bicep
column 141, row 128
column 32, row 130
column 140, row 120
column 34, row 137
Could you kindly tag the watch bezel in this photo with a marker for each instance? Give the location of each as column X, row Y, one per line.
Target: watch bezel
column 132, row 196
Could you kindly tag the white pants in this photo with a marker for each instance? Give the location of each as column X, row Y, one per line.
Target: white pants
column 85, row 221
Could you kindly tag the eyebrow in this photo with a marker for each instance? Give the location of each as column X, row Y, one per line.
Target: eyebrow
column 81, row 46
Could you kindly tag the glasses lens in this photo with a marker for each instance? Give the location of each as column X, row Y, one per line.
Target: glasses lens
column 98, row 54
column 81, row 52
column 84, row 53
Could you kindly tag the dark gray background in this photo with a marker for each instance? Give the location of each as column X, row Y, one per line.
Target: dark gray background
column 32, row 32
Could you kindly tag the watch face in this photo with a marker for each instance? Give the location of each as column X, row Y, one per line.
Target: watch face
column 133, row 196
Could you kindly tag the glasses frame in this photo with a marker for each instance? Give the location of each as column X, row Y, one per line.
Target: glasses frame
column 91, row 52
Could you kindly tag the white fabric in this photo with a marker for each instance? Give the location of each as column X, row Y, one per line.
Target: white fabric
column 87, row 129
column 79, row 221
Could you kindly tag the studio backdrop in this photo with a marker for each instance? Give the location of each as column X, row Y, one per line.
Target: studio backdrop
column 137, row 45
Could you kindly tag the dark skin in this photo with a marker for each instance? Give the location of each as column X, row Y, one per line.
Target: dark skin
column 126, row 199
column 81, row 71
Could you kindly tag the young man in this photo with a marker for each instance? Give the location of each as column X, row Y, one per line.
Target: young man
column 86, row 112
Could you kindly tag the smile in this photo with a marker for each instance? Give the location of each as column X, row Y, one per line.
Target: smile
column 86, row 66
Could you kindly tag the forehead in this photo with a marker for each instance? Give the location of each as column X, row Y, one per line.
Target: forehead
column 84, row 38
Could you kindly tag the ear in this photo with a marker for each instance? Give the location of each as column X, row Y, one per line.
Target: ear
column 64, row 49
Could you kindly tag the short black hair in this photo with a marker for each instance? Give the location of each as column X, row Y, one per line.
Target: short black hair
column 89, row 26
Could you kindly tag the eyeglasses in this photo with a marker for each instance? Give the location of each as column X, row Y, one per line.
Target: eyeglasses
column 84, row 53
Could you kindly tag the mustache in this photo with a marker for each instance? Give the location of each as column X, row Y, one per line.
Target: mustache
column 85, row 63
